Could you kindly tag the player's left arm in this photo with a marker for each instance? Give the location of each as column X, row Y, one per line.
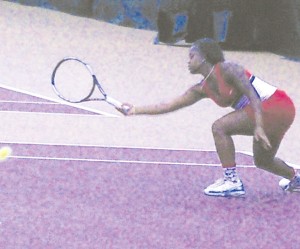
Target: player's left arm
column 189, row 97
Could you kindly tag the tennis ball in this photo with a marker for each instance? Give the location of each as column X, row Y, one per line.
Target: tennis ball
column 5, row 152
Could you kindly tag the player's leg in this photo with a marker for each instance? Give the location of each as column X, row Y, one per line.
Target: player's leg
column 235, row 123
column 266, row 160
column 279, row 114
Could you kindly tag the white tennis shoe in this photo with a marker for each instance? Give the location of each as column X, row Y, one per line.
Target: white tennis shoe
column 225, row 188
column 290, row 185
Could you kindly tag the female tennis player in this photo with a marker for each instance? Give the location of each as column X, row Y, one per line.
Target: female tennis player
column 260, row 110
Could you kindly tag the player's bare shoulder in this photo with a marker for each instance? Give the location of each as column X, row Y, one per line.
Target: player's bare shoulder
column 232, row 70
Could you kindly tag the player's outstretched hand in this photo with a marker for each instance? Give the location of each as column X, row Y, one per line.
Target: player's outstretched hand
column 127, row 109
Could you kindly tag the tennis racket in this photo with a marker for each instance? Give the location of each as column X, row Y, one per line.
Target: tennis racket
column 74, row 81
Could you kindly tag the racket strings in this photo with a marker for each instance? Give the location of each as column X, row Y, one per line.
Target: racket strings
column 73, row 81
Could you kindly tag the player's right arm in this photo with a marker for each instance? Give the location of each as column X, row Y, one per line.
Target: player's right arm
column 191, row 96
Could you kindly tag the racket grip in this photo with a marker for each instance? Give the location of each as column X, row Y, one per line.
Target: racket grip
column 113, row 102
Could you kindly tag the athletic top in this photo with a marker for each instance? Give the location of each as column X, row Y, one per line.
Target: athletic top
column 229, row 96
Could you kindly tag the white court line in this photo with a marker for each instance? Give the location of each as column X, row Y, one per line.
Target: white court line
column 119, row 160
column 60, row 101
column 125, row 161
column 57, row 113
column 119, row 147
column 131, row 147
column 136, row 162
column 29, row 102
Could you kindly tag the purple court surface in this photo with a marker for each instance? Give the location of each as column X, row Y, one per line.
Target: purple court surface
column 92, row 197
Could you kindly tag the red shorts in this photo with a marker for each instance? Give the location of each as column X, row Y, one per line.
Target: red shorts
column 278, row 114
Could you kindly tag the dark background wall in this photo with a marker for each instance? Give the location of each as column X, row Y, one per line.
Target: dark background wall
column 133, row 13
column 272, row 25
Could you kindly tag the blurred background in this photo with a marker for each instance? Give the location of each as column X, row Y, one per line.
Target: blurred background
column 268, row 25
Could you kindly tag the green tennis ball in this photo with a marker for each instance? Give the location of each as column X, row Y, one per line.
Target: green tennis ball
column 5, row 152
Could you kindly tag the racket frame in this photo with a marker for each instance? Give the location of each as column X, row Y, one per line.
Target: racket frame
column 106, row 98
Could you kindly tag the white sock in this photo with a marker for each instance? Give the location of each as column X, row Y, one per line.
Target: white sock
column 230, row 174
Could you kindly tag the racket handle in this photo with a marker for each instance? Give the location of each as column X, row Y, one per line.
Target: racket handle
column 113, row 102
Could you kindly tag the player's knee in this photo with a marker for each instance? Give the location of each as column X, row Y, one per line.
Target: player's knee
column 218, row 129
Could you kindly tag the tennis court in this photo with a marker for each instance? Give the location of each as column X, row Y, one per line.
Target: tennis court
column 85, row 177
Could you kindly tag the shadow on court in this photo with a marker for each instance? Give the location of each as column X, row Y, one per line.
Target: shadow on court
column 94, row 197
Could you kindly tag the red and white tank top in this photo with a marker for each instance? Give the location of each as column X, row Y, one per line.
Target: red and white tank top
column 229, row 96
column 263, row 89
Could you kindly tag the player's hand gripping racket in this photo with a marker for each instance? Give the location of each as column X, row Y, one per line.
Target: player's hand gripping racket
column 74, row 81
